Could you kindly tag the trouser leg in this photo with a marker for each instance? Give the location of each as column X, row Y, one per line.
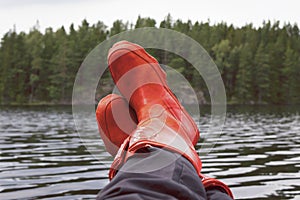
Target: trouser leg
column 159, row 175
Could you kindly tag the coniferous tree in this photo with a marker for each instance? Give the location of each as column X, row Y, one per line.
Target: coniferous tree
column 244, row 76
column 258, row 65
column 35, row 49
column 262, row 75
column 291, row 72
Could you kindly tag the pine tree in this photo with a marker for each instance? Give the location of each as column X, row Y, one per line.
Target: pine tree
column 118, row 27
column 291, row 72
column 60, row 60
column 144, row 22
column 231, row 72
column 244, row 76
column 14, row 65
column 262, row 75
column 35, row 49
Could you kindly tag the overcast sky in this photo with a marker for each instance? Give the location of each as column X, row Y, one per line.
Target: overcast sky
column 55, row 13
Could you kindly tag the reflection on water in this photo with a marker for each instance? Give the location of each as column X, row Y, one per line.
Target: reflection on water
column 258, row 154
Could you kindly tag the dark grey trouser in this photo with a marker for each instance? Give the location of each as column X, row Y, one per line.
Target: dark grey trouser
column 158, row 174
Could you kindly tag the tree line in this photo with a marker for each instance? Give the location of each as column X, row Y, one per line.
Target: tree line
column 258, row 65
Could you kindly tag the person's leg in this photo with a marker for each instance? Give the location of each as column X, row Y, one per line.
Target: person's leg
column 162, row 120
column 136, row 179
column 116, row 121
column 169, row 127
column 145, row 177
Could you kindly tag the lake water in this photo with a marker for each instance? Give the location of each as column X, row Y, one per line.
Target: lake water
column 42, row 156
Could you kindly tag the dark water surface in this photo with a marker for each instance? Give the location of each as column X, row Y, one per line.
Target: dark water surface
column 42, row 156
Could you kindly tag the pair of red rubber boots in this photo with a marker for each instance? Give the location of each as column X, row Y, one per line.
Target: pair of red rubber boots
column 148, row 113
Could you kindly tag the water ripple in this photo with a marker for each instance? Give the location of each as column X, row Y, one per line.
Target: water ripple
column 42, row 156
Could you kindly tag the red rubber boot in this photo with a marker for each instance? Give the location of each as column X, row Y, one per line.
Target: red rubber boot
column 142, row 82
column 162, row 121
column 115, row 128
column 116, row 121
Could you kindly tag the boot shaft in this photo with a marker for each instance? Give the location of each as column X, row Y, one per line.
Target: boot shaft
column 142, row 82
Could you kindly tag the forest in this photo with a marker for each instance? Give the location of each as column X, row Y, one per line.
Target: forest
column 258, row 65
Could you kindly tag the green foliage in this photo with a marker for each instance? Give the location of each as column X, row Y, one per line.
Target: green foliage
column 291, row 73
column 262, row 74
column 243, row 89
column 258, row 65
column 144, row 22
